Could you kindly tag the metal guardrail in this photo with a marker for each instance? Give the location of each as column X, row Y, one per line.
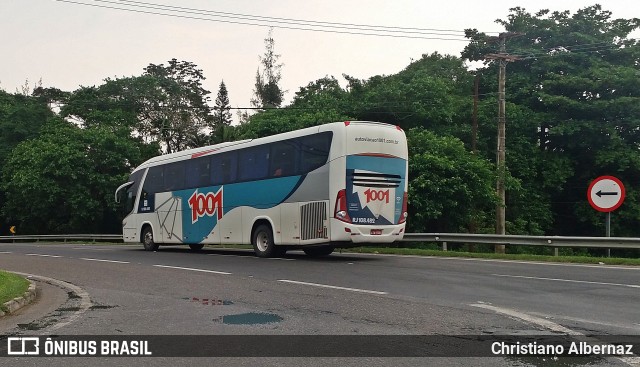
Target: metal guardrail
column 550, row 241
column 443, row 238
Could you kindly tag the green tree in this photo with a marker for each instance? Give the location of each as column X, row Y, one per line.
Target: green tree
column 578, row 79
column 63, row 181
column 267, row 91
column 450, row 189
column 222, row 118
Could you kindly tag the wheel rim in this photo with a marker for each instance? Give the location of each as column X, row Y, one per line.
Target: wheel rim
column 262, row 241
column 148, row 238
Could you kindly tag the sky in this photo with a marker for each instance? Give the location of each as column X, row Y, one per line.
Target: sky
column 68, row 45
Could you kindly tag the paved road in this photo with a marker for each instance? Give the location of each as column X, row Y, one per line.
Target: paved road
column 213, row 292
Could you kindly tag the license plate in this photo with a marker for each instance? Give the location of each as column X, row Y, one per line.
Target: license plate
column 376, row 232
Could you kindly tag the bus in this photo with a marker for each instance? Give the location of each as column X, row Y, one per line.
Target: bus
column 335, row 185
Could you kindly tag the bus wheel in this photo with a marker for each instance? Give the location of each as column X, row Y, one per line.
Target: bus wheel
column 196, row 246
column 147, row 239
column 319, row 251
column 262, row 241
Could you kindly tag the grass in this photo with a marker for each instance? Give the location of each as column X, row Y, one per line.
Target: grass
column 11, row 286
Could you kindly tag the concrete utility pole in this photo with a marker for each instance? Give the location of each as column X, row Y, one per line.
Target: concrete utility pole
column 503, row 58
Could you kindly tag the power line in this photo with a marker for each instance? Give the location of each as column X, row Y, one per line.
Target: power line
column 298, row 26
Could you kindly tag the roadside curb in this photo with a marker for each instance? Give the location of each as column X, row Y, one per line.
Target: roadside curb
column 19, row 302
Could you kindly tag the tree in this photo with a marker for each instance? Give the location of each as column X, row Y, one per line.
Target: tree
column 63, row 181
column 267, row 92
column 166, row 104
column 221, row 115
column 449, row 187
column 179, row 113
column 578, row 79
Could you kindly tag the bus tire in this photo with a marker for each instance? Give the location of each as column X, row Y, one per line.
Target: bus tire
column 319, row 251
column 262, row 241
column 196, row 246
column 147, row 239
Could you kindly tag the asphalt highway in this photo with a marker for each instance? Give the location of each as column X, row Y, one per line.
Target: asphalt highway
column 123, row 290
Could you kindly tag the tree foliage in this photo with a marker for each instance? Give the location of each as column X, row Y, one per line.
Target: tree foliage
column 267, row 92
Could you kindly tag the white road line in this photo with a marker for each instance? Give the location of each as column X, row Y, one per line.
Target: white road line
column 106, row 261
column 568, row 280
column 43, row 255
column 193, row 269
column 332, row 286
column 620, row 267
column 5, row 252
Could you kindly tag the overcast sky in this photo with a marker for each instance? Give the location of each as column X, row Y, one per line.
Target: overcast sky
column 69, row 45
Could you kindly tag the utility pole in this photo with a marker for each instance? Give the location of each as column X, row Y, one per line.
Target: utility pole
column 503, row 58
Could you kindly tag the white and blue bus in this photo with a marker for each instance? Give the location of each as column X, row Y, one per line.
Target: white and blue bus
column 335, row 185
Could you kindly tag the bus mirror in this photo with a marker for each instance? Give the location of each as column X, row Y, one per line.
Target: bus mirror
column 123, row 186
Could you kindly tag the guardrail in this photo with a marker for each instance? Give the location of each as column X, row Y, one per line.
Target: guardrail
column 550, row 241
column 442, row 238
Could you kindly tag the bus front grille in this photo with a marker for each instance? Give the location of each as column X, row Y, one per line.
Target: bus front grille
column 313, row 217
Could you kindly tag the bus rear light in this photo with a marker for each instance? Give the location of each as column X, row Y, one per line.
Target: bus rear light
column 340, row 211
column 403, row 215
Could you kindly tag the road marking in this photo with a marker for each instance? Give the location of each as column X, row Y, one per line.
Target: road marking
column 568, row 280
column 629, row 360
column 193, row 269
column 5, row 252
column 42, row 255
column 602, row 266
column 332, row 286
column 106, row 261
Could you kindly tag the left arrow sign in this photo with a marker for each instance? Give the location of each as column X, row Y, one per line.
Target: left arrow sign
column 600, row 193
column 12, row 229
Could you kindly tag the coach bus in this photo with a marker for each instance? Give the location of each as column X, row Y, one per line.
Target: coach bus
column 335, row 185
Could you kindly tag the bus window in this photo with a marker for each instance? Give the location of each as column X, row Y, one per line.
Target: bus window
column 174, row 176
column 154, row 181
column 283, row 159
column 224, row 168
column 315, row 151
column 254, row 163
column 198, row 172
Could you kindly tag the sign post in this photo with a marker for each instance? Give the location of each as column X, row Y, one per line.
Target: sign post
column 606, row 194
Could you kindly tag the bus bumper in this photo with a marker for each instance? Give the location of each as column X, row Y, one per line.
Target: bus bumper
column 341, row 231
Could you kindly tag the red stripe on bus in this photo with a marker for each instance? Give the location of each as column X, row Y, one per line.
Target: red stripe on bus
column 200, row 154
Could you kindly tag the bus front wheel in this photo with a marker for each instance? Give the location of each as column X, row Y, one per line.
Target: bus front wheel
column 147, row 239
column 262, row 241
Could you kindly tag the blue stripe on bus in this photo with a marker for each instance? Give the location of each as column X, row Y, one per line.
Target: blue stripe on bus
column 264, row 194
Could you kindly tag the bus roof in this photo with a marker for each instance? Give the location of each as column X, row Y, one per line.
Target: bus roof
column 228, row 146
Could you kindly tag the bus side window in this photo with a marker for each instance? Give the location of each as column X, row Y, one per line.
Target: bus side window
column 174, row 176
column 283, row 159
column 154, row 182
column 315, row 150
column 254, row 163
column 224, row 168
column 198, row 172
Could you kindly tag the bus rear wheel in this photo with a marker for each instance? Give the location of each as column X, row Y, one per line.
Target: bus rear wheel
column 147, row 239
column 262, row 241
column 319, row 251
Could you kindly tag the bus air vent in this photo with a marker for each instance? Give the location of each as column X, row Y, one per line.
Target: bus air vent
column 313, row 217
column 375, row 180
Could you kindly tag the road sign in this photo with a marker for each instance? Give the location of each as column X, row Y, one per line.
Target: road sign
column 12, row 229
column 606, row 194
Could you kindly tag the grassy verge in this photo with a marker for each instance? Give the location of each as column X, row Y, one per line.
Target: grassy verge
column 482, row 255
column 11, row 286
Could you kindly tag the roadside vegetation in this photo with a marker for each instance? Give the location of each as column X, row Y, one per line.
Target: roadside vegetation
column 11, row 286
